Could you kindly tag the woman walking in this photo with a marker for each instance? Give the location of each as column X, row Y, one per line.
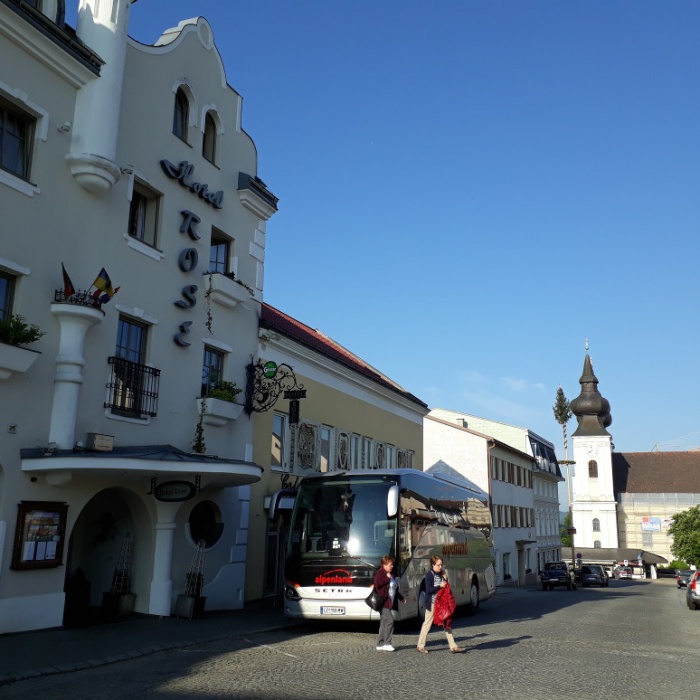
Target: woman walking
column 385, row 585
column 435, row 579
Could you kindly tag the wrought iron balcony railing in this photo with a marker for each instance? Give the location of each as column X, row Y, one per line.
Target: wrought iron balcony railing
column 133, row 388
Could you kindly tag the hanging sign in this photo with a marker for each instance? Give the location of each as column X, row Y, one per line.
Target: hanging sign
column 270, row 369
column 174, row 491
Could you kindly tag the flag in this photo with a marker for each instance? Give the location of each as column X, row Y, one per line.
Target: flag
column 103, row 283
column 68, row 288
column 105, row 297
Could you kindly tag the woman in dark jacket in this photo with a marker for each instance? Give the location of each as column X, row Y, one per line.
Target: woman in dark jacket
column 385, row 585
column 435, row 579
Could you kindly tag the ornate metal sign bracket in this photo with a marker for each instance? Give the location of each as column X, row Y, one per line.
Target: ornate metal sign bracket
column 266, row 382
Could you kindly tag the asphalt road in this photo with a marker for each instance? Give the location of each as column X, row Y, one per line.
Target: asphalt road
column 633, row 639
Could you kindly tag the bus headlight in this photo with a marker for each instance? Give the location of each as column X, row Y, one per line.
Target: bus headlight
column 353, row 545
column 290, row 592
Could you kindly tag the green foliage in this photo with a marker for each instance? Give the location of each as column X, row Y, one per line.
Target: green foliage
column 567, row 540
column 685, row 530
column 198, row 444
column 561, row 408
column 676, row 564
column 16, row 331
column 225, row 391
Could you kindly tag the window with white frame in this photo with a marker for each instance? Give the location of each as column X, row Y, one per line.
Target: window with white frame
column 366, row 453
column 181, row 113
column 143, row 214
column 212, row 369
column 355, row 453
column 278, row 444
column 219, row 252
column 325, row 449
column 133, row 386
column 209, row 138
column 596, row 525
column 7, row 288
column 16, row 138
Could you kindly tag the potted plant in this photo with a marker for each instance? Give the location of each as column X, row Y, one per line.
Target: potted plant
column 15, row 333
column 225, row 391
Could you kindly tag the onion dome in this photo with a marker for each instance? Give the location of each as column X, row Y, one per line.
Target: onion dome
column 592, row 411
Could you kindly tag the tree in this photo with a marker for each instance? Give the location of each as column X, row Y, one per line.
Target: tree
column 685, row 530
column 562, row 414
column 567, row 540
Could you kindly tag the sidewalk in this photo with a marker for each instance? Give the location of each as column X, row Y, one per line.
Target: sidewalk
column 62, row 650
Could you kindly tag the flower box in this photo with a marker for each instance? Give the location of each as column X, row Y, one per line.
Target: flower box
column 227, row 292
column 15, row 359
column 218, row 412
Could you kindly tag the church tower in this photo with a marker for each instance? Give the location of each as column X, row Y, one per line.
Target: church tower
column 593, row 499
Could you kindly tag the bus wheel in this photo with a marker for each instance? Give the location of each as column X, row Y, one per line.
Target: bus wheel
column 473, row 604
column 421, row 605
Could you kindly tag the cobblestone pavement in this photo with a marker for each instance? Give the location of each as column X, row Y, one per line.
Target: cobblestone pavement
column 633, row 639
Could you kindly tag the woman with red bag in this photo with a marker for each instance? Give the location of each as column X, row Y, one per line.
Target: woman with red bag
column 436, row 587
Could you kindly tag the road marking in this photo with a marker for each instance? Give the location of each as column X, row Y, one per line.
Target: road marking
column 267, row 646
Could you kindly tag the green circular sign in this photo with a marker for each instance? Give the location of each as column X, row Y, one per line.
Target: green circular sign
column 270, row 369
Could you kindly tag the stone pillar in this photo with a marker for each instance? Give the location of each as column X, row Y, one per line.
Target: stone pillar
column 75, row 321
column 160, row 601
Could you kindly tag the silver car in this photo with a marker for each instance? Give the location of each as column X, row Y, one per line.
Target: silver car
column 683, row 577
column 692, row 591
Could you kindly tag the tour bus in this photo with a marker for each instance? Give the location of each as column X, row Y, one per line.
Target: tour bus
column 344, row 522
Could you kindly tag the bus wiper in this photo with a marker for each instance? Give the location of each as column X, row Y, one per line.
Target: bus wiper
column 366, row 563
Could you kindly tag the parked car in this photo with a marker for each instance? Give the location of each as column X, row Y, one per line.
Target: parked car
column 683, row 577
column 623, row 572
column 692, row 591
column 593, row 575
column 556, row 573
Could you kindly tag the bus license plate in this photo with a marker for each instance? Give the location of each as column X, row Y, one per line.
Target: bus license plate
column 332, row 611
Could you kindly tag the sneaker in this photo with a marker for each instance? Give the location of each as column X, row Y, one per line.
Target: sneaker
column 388, row 647
column 380, row 648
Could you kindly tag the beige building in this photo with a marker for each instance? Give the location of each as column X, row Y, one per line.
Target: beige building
column 349, row 416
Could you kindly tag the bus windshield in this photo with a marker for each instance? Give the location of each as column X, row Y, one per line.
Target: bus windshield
column 342, row 518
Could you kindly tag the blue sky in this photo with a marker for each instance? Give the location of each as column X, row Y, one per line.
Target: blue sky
column 468, row 190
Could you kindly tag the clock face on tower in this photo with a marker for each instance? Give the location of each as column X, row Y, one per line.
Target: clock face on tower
column 591, row 449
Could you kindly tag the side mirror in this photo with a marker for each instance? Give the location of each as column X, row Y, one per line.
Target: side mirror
column 392, row 501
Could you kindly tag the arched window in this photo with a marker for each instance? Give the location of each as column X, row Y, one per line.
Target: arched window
column 593, row 469
column 209, row 142
column 596, row 544
column 596, row 525
column 181, row 115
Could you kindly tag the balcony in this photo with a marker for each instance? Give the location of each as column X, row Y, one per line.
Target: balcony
column 226, row 291
column 133, row 389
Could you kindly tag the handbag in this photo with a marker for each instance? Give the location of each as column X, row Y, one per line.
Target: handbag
column 375, row 601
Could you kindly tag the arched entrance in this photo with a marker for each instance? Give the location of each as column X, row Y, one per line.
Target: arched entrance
column 108, row 552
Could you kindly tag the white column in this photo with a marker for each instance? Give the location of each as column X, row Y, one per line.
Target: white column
column 75, row 321
column 160, row 601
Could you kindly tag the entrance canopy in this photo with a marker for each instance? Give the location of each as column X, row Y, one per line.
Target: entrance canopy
column 164, row 461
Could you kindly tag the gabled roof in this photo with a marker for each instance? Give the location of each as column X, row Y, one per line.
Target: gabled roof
column 656, row 472
column 279, row 322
